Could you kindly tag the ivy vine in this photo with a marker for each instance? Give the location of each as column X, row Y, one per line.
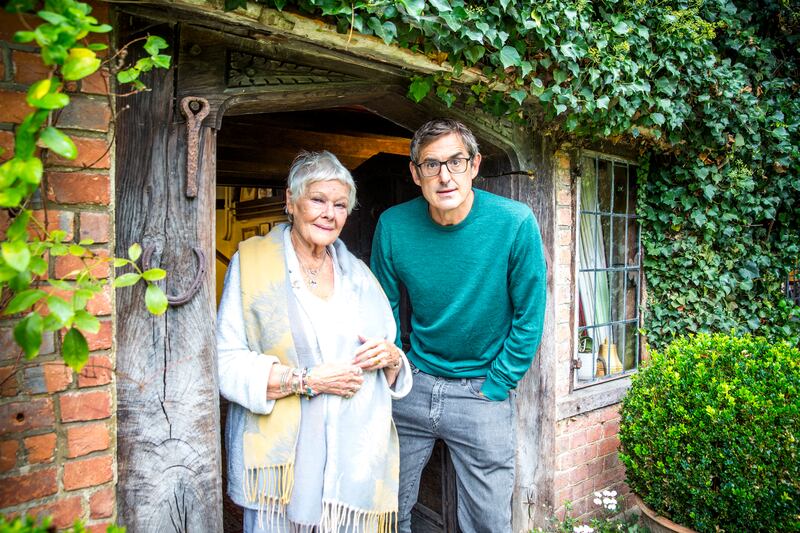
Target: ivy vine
column 45, row 303
column 707, row 89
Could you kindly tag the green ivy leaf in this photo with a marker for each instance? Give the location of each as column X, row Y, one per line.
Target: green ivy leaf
column 23, row 301
column 154, row 274
column 126, row 280
column 155, row 43
column 134, row 251
column 519, row 95
column 121, row 261
column 509, row 57
column 97, row 47
column 128, row 75
column 60, row 308
column 420, row 87
column 28, row 334
column 44, row 95
column 58, row 142
column 75, row 349
column 31, row 171
column 86, row 321
column 620, row 28
column 16, row 254
column 163, row 61
column 155, row 299
column 414, row 8
column 602, row 102
column 474, row 53
column 81, row 62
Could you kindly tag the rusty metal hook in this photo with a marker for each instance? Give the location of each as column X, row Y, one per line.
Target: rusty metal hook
column 196, row 282
column 194, row 120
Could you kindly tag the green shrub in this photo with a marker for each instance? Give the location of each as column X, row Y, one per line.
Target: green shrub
column 709, row 434
column 29, row 524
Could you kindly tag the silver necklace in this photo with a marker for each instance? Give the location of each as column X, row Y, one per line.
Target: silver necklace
column 312, row 273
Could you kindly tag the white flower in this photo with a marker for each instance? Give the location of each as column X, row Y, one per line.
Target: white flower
column 582, row 529
column 598, row 501
column 597, row 494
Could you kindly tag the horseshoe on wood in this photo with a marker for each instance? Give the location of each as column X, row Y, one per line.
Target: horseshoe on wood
column 196, row 282
column 195, row 109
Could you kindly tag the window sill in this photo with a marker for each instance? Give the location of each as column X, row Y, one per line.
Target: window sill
column 591, row 398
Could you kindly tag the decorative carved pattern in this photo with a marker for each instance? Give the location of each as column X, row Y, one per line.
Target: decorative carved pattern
column 247, row 70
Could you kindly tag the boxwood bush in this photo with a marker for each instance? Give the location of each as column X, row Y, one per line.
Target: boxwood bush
column 710, row 431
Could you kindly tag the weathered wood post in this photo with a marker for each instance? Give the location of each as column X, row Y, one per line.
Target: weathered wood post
column 168, row 434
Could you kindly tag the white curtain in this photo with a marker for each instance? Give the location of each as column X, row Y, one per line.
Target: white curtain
column 593, row 287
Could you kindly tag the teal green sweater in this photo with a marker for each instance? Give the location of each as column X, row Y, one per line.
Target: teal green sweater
column 477, row 288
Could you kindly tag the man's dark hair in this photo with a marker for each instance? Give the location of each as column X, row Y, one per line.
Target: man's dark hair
column 432, row 130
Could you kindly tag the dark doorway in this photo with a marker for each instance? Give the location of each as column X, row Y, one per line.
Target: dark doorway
column 254, row 153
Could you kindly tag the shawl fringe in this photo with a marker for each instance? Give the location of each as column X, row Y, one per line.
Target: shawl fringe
column 341, row 517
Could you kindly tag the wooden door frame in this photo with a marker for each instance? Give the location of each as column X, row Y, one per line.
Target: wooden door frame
column 338, row 79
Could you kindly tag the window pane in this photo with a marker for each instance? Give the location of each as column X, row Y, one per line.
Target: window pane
column 602, row 301
column 633, row 242
column 588, row 236
column 629, row 355
column 604, row 186
column 619, row 245
column 604, row 248
column 631, row 295
column 615, row 281
column 632, row 188
column 620, row 188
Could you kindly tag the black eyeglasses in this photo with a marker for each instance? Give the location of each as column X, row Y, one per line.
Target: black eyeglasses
column 430, row 169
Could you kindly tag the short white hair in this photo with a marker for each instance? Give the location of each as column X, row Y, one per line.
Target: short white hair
column 311, row 167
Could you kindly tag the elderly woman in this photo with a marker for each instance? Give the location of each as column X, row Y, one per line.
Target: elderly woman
column 307, row 361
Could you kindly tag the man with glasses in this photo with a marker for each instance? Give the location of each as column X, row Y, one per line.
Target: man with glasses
column 473, row 266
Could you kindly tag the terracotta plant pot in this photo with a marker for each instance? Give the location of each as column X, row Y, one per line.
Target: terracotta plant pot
column 657, row 523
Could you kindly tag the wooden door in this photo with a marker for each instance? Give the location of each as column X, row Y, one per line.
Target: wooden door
column 384, row 181
column 167, row 408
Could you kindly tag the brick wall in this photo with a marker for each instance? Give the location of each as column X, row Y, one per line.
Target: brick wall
column 586, row 444
column 57, row 443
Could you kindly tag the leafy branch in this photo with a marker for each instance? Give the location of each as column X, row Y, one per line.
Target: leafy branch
column 43, row 303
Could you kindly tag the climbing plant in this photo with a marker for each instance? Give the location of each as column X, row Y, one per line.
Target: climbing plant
column 44, row 303
column 706, row 89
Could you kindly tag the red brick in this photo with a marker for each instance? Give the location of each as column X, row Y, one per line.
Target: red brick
column 84, row 113
column 9, row 383
column 611, row 428
column 101, row 503
column 100, row 305
column 10, row 350
column 8, row 455
column 579, row 474
column 88, row 472
column 10, row 23
column 562, row 444
column 92, row 153
column 97, row 371
column 607, row 446
column 83, row 440
column 28, row 67
column 6, row 145
column 50, row 376
column 97, row 83
column 3, row 65
column 78, row 188
column 594, row 433
column 99, row 528
column 56, row 220
column 68, row 266
column 611, row 461
column 609, row 477
column 64, row 511
column 95, row 226
column 41, row 448
column 82, row 406
column 595, row 467
column 14, row 108
column 18, row 489
column 563, row 496
column 102, row 339
column 564, row 198
column 577, row 439
column 25, row 416
column 561, row 480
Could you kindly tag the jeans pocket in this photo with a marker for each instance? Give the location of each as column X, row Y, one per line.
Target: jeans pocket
column 474, row 386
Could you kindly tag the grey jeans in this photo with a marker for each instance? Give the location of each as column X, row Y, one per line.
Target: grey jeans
column 481, row 437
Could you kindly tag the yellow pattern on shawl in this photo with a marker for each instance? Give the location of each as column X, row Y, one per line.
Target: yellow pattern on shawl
column 269, row 440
